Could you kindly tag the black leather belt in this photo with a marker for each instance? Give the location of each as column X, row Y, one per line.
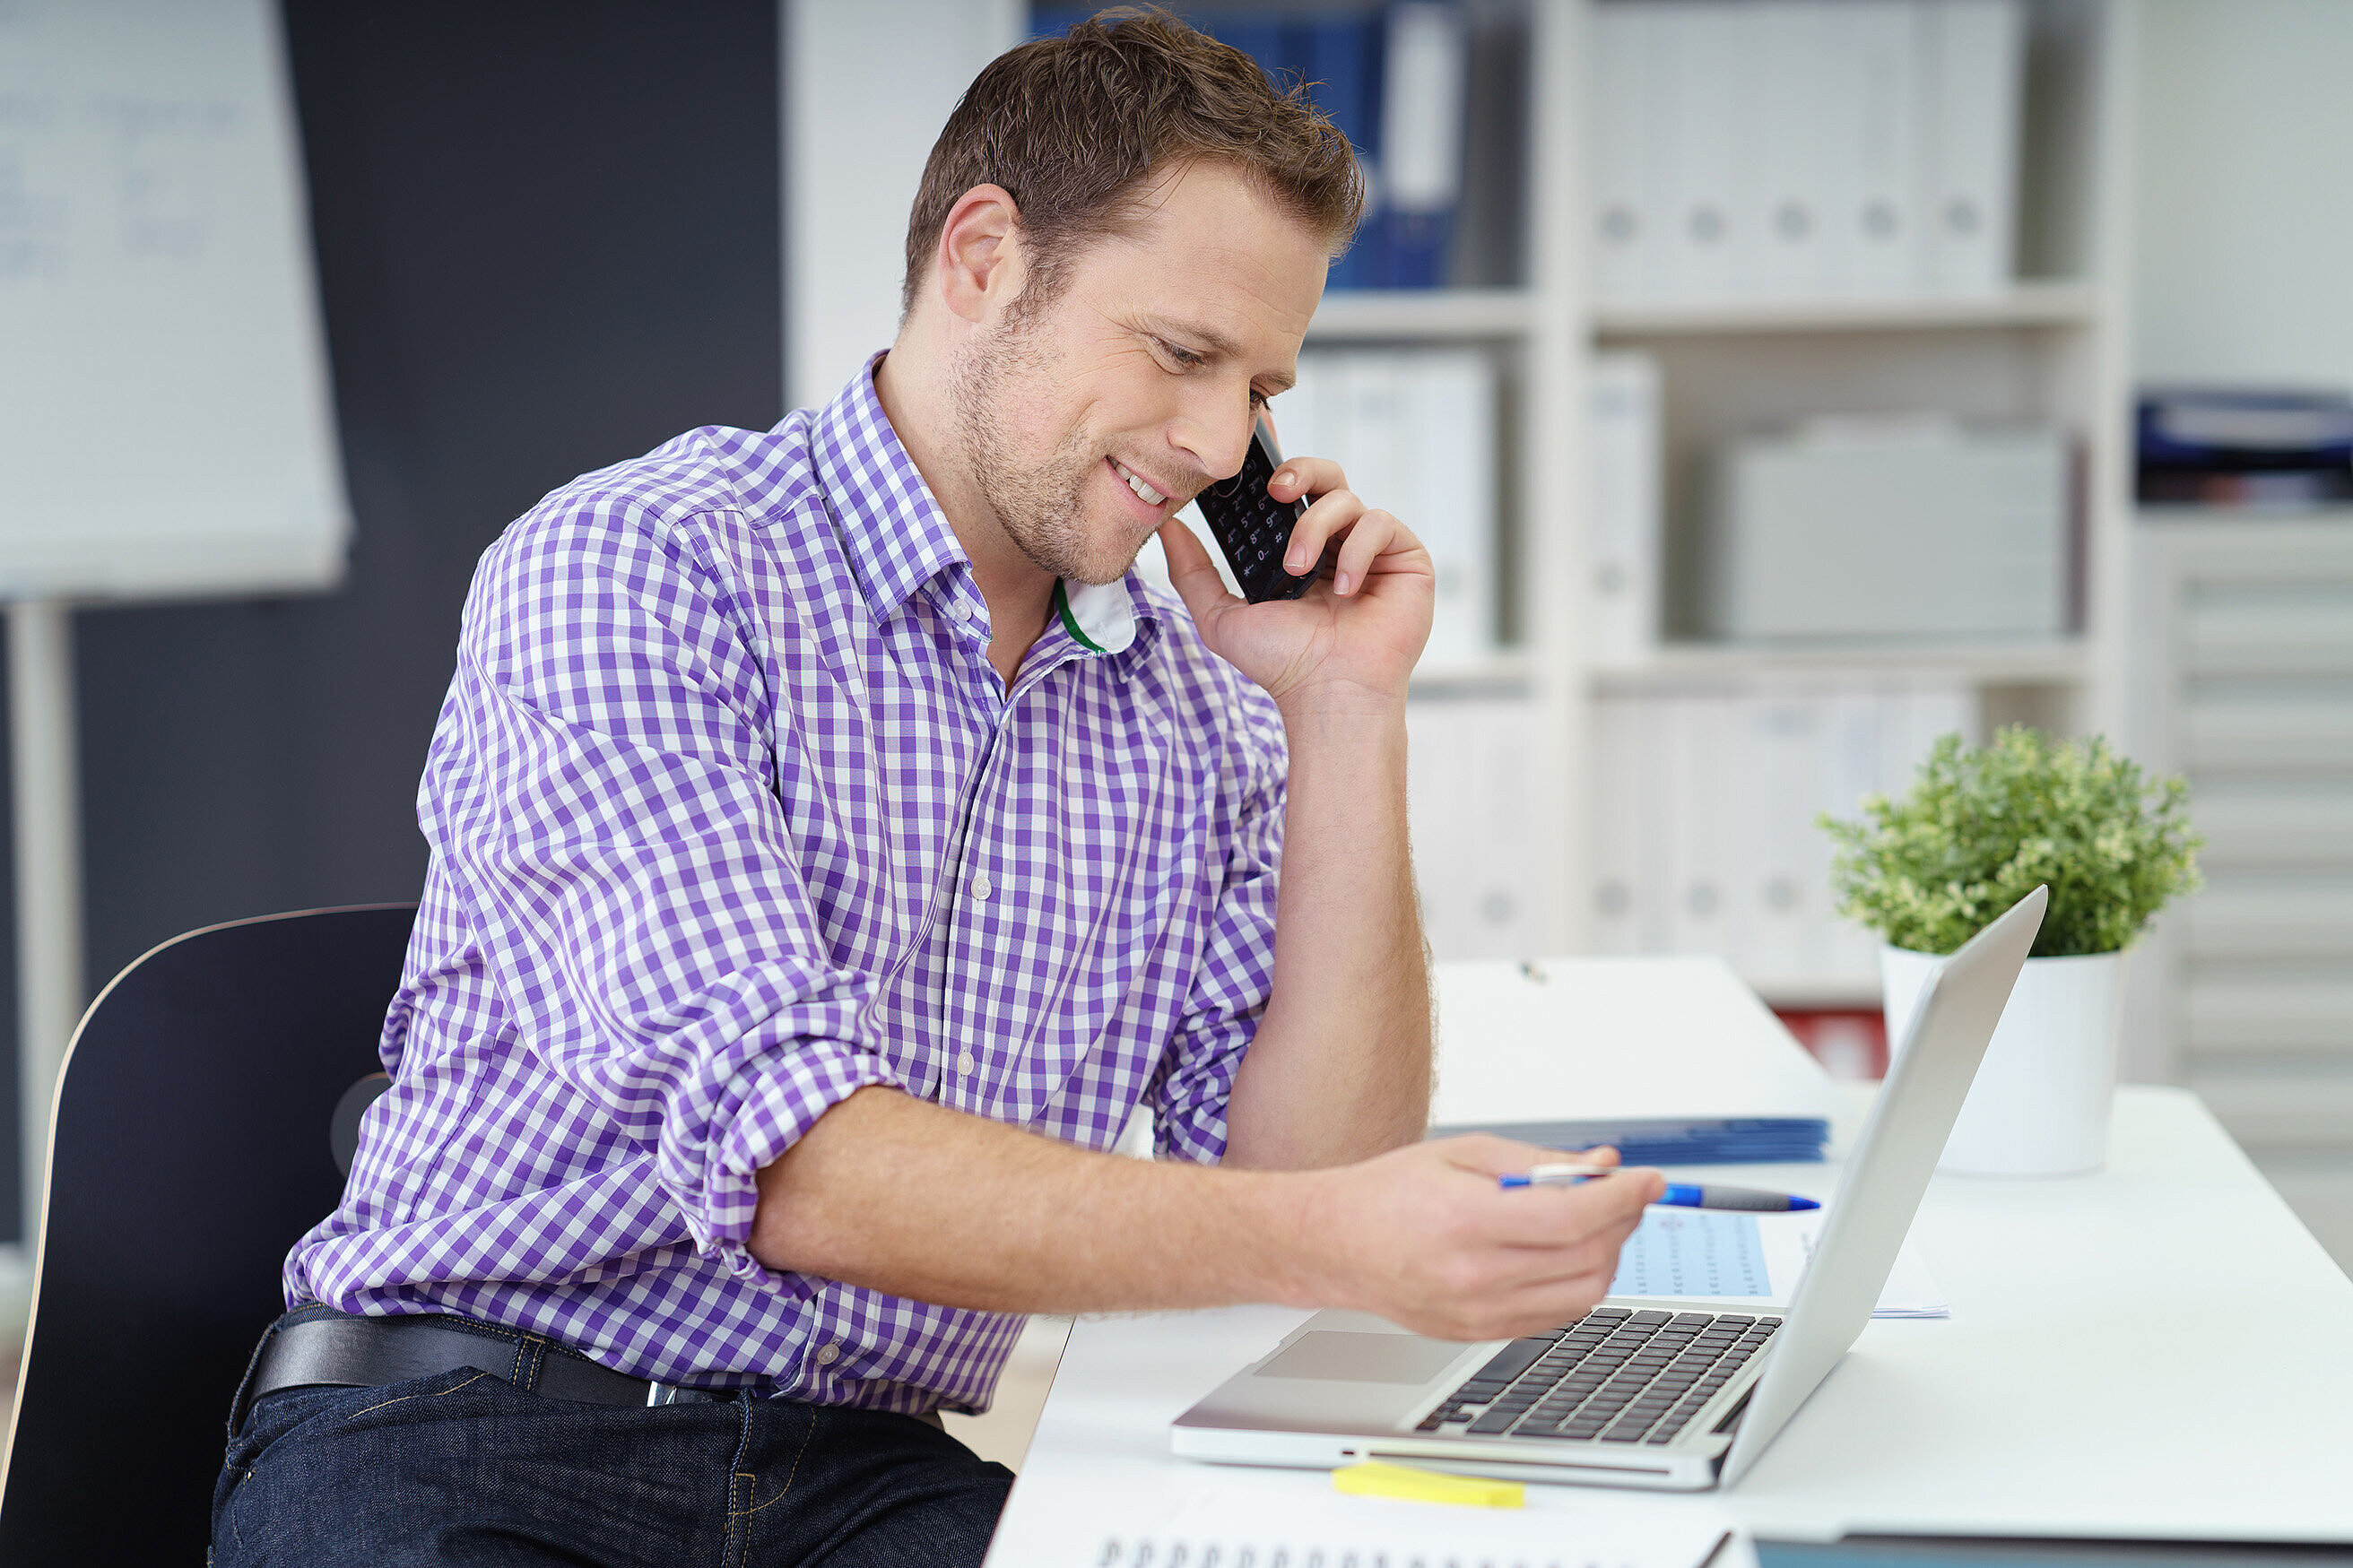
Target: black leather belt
column 340, row 1351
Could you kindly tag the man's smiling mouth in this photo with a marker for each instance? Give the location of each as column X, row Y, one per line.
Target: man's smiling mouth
column 1135, row 482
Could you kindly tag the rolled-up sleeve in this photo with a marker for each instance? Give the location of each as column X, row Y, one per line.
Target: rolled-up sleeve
column 1196, row 1077
column 601, row 789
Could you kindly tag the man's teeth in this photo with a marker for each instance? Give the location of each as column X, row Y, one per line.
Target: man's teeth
column 1144, row 493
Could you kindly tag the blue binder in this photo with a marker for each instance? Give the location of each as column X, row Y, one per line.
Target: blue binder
column 1342, row 57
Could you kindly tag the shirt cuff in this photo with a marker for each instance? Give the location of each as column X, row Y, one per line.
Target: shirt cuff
column 1189, row 1124
column 764, row 1111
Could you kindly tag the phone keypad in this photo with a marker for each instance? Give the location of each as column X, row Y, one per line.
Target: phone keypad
column 1254, row 530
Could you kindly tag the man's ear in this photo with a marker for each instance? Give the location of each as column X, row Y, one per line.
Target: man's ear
column 979, row 263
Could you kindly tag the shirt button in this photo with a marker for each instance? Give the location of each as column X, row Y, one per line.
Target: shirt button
column 981, row 886
column 827, row 1354
column 958, row 610
column 964, row 1064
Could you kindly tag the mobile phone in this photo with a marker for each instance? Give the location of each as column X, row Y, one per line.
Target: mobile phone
column 1253, row 528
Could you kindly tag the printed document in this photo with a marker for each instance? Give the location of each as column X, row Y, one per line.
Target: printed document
column 1232, row 1526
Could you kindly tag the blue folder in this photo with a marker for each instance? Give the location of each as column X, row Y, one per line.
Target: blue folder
column 1753, row 1141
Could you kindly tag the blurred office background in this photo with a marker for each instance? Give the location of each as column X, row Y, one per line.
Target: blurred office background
column 1660, row 298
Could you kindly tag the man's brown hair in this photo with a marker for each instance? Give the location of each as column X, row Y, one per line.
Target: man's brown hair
column 1076, row 128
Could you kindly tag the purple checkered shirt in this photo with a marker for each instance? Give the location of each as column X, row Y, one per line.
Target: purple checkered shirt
column 730, row 816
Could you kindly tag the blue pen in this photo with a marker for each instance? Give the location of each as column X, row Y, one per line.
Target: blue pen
column 1678, row 1194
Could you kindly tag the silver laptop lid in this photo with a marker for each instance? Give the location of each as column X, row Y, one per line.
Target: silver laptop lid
column 1884, row 1180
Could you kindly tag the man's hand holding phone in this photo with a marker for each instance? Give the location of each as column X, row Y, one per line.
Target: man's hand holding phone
column 1355, row 633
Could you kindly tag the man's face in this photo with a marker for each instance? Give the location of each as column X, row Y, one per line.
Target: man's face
column 1088, row 423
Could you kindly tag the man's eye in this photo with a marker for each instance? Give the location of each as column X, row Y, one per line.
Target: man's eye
column 1257, row 398
column 1185, row 359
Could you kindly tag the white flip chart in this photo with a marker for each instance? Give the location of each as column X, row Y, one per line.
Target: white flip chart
column 166, row 422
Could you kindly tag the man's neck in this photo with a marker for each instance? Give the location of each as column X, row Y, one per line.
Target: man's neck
column 1019, row 593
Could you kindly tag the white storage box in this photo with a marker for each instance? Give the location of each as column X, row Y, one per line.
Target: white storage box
column 1888, row 529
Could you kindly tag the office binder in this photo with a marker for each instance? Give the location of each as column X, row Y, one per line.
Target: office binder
column 1470, row 794
column 1783, row 212
column 1876, row 70
column 1341, row 56
column 1625, row 226
column 1699, row 900
column 1805, row 148
column 1703, row 104
column 1415, row 430
column 1445, row 431
column 1622, row 446
column 1787, row 885
column 1424, row 88
column 1705, row 811
column 1619, row 827
column 1974, row 53
column 1259, row 38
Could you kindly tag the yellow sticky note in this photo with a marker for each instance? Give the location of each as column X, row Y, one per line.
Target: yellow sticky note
column 1403, row 1481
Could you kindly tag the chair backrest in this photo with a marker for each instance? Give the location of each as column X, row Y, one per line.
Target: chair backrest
column 189, row 1150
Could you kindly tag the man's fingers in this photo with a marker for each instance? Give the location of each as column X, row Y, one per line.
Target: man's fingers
column 1528, row 1300
column 1497, row 1156
column 1330, row 515
column 1193, row 573
column 1491, row 1156
column 1541, row 1307
column 1567, row 1217
column 1375, row 534
column 1297, row 476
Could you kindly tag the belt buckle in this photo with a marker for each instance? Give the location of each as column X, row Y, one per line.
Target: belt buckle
column 657, row 1393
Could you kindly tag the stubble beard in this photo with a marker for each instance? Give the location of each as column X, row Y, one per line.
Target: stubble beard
column 1038, row 505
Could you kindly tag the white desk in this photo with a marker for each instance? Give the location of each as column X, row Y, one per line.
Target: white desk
column 2083, row 1387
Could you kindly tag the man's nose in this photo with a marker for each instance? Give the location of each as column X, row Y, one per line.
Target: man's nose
column 1217, row 440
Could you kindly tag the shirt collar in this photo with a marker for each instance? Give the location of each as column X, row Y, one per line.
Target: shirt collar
column 1102, row 617
column 898, row 539
column 896, row 536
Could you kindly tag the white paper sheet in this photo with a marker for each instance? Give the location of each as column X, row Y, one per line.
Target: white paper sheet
column 1287, row 1530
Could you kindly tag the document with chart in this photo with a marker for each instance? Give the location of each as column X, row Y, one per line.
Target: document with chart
column 1706, row 1256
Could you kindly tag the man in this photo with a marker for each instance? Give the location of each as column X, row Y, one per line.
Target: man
column 834, row 843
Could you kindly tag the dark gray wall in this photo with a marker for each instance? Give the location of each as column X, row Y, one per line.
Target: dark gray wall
column 548, row 239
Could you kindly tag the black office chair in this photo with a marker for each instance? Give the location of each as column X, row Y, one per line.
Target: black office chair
column 196, row 1138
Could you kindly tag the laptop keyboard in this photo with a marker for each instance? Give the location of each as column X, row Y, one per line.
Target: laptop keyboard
column 1613, row 1376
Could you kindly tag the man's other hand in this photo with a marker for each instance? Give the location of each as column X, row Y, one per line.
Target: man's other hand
column 1358, row 630
column 1424, row 1236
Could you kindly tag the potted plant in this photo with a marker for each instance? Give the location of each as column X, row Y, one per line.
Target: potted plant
column 1979, row 830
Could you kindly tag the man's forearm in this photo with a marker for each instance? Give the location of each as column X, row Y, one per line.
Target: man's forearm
column 910, row 1198
column 1340, row 1065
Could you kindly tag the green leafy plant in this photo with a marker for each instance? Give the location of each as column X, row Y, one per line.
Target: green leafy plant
column 1981, row 826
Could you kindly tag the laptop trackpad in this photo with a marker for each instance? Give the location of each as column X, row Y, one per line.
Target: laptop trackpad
column 1361, row 1358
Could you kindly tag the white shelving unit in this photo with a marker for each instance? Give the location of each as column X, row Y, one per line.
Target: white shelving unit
column 1448, row 315
column 2244, row 682
column 2048, row 347
column 1505, row 842
column 2028, row 304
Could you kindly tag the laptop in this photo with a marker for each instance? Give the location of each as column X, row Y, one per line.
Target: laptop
column 1638, row 1393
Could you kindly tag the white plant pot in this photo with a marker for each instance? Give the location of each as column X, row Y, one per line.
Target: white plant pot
column 2040, row 1104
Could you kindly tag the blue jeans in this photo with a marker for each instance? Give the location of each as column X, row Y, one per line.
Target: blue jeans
column 463, row 1468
